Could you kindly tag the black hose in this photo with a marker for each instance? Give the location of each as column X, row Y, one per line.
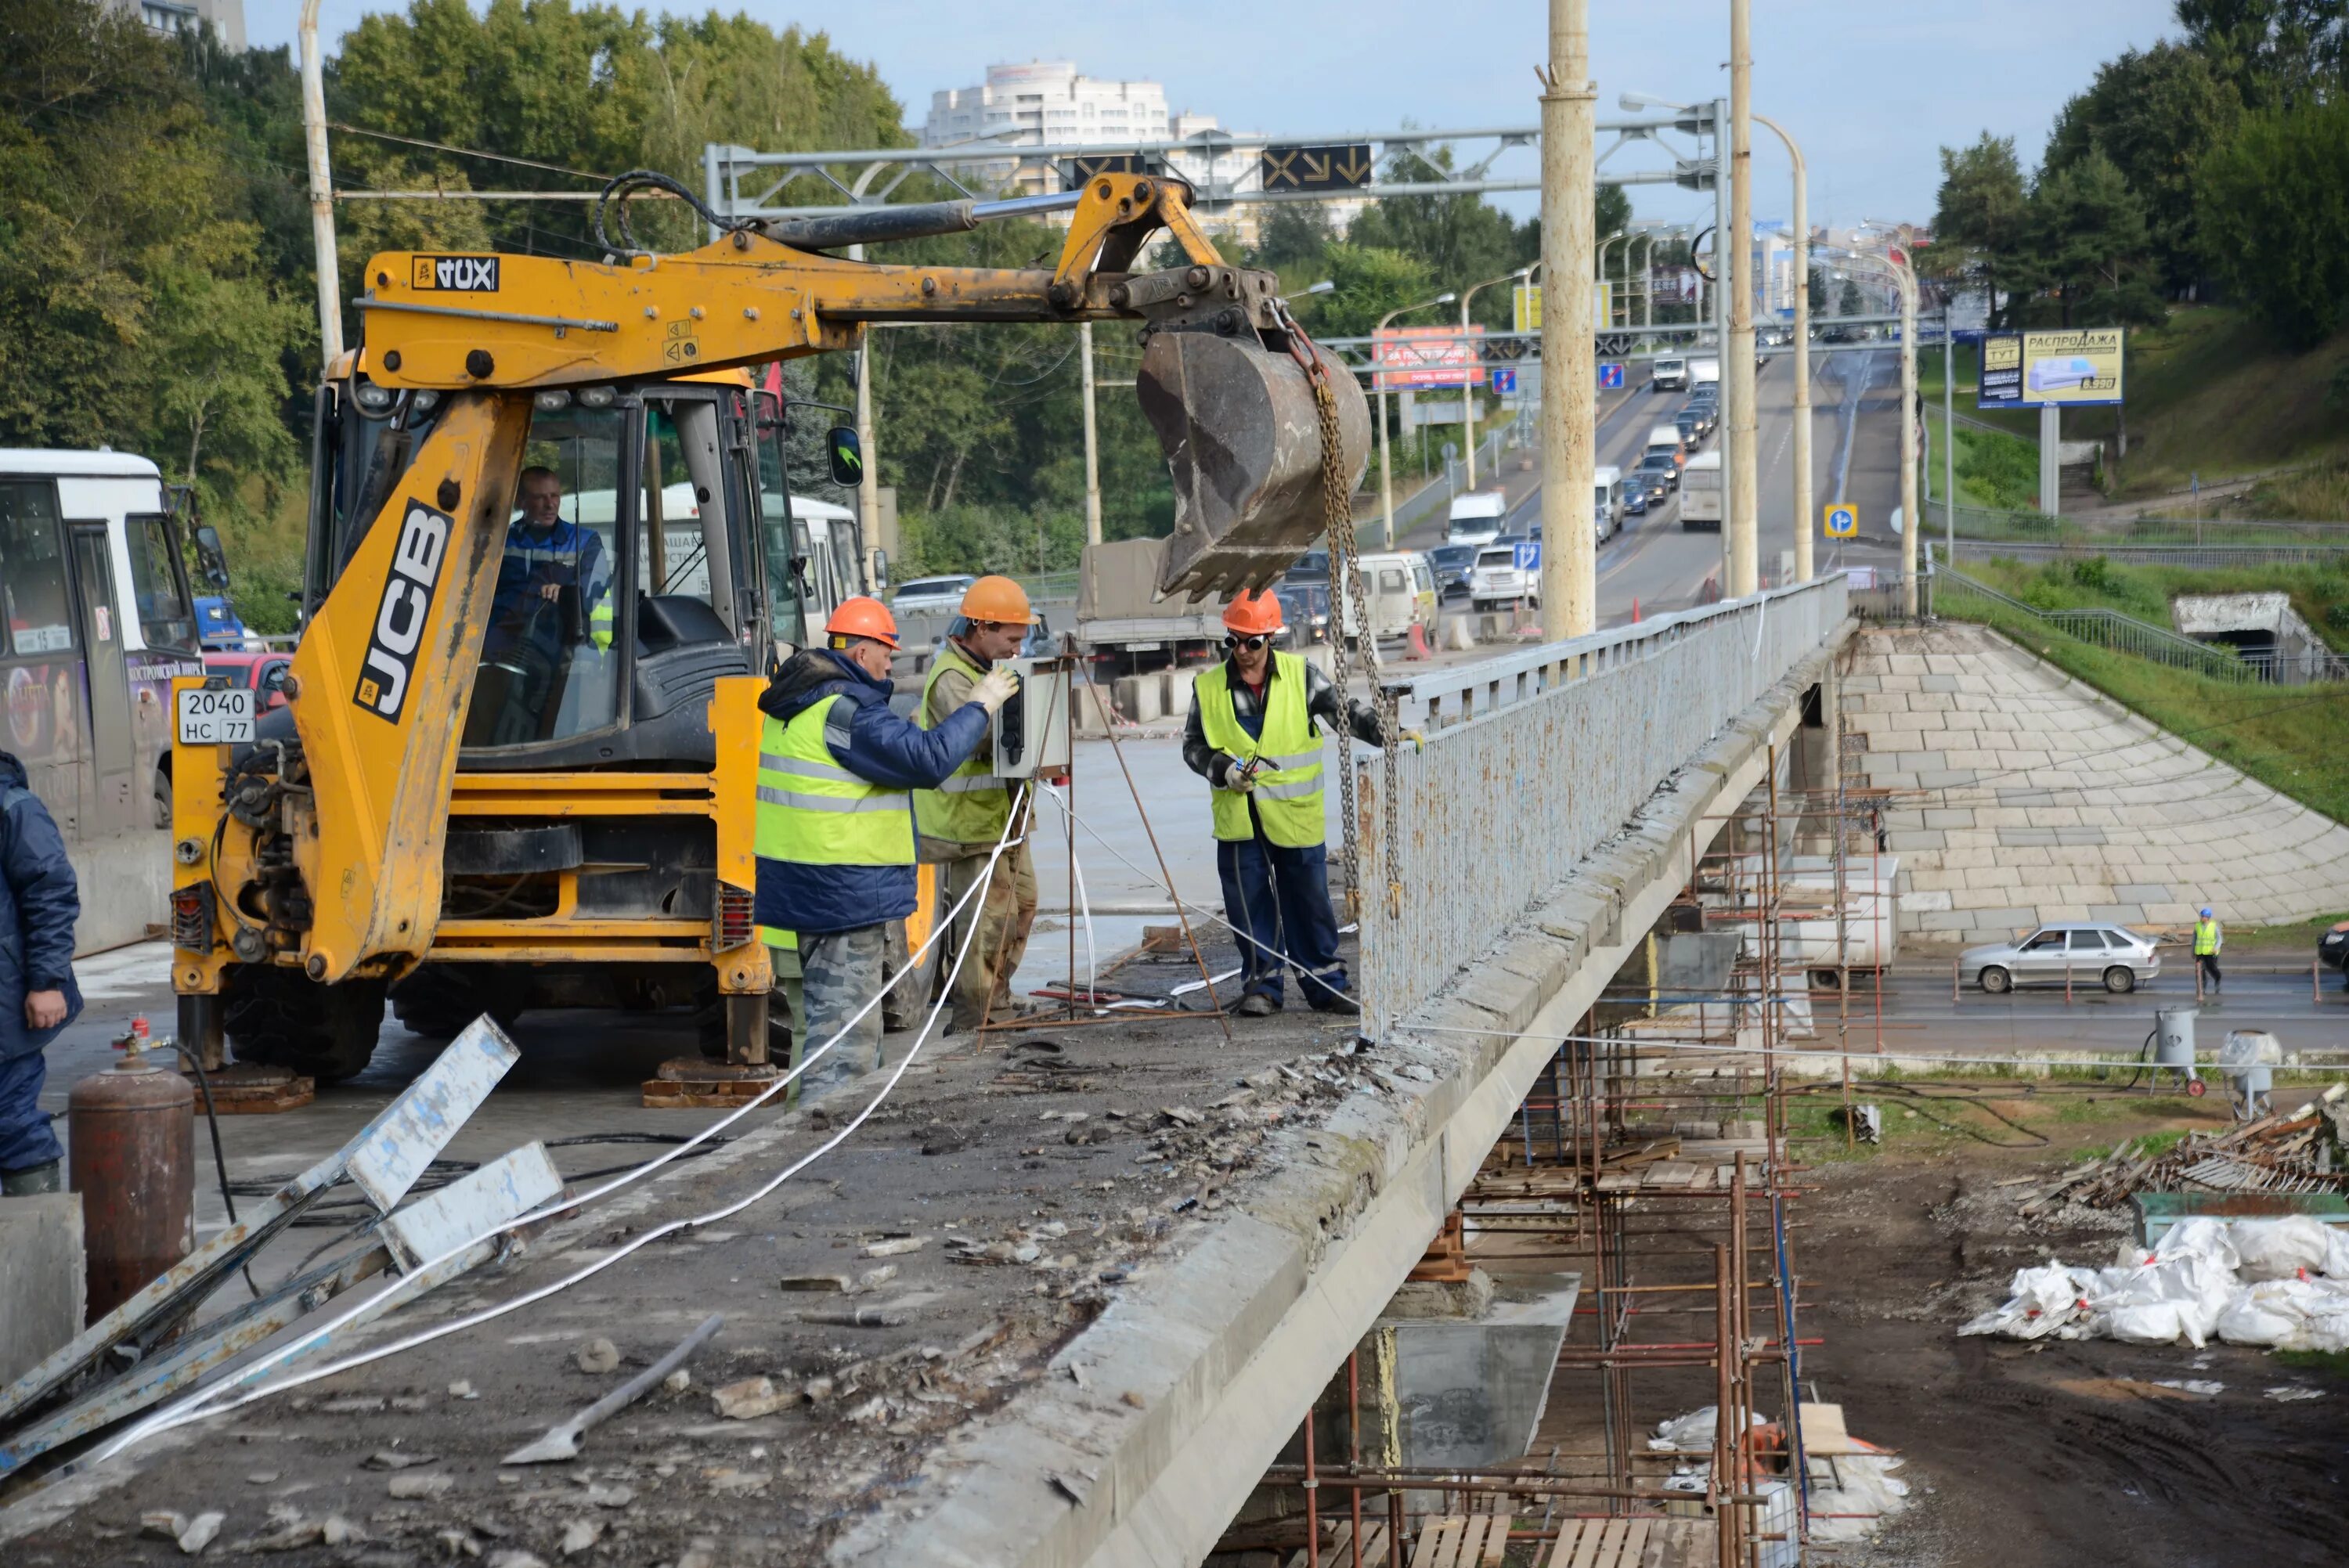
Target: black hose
column 623, row 186
column 219, row 1160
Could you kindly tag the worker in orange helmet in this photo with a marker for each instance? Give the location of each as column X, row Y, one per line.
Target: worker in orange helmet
column 1254, row 735
column 835, row 824
column 962, row 819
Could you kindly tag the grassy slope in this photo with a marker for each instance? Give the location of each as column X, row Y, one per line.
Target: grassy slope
column 2295, row 740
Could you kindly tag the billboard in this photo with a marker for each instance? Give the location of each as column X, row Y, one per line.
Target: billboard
column 1526, row 306
column 2038, row 369
column 1408, row 356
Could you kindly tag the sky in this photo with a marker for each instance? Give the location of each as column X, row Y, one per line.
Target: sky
column 1871, row 91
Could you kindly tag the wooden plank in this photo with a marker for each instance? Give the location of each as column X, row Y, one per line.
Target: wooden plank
column 1635, row 1544
column 1586, row 1549
column 1610, row 1543
column 1340, row 1553
column 1497, row 1542
column 1569, row 1540
column 1439, row 1543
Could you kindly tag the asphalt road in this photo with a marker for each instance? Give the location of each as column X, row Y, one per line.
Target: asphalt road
column 1653, row 565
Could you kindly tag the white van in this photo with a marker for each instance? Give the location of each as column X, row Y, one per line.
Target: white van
column 1667, row 439
column 1671, row 374
column 1401, row 589
column 1476, row 518
column 1607, row 501
column 1704, row 370
column 1701, row 503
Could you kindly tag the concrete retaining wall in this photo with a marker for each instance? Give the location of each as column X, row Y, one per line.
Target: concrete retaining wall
column 2047, row 800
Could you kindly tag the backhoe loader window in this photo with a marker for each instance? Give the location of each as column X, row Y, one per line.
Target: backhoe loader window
column 786, row 612
column 549, row 670
column 684, row 532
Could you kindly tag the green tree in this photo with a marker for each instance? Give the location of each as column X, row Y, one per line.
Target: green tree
column 2087, row 244
column 1459, row 239
column 1816, row 287
column 1981, row 222
column 2275, row 52
column 1851, row 301
column 2154, row 114
column 1372, row 281
column 2274, row 203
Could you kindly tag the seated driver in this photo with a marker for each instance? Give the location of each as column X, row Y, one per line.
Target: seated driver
column 553, row 592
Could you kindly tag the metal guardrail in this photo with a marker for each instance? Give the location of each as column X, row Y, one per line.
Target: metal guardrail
column 1539, row 757
column 2093, row 531
column 2215, row 556
column 1960, row 597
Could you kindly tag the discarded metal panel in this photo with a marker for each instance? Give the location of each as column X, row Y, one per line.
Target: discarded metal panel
column 1568, row 742
column 502, row 1191
column 218, row 1342
column 398, row 1143
column 386, row 1159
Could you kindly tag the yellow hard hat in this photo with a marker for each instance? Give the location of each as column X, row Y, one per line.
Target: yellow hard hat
column 1000, row 600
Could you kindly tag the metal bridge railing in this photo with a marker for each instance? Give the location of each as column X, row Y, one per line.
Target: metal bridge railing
column 1536, row 758
column 2219, row 557
column 1960, row 597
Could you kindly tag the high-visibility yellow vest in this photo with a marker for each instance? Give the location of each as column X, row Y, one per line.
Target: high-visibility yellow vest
column 814, row 812
column 1287, row 791
column 971, row 805
column 2206, row 938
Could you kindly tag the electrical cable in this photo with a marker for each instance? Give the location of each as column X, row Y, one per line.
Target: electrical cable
column 219, row 1160
column 212, row 1401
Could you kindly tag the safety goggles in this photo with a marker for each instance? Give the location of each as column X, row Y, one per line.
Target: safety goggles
column 1244, row 644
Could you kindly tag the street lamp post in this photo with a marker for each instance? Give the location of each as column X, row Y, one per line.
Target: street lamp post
column 1568, row 164
column 1804, row 520
column 1598, row 271
column 1386, row 466
column 1740, row 480
column 1468, row 376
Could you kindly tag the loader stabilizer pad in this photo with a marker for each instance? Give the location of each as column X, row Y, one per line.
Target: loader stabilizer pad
column 1243, row 441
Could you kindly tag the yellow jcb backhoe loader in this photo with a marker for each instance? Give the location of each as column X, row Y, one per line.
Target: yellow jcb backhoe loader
column 551, row 557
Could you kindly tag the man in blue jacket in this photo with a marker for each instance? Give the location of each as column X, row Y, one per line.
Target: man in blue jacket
column 38, row 906
column 835, row 822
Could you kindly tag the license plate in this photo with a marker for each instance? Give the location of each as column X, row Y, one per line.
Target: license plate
column 215, row 717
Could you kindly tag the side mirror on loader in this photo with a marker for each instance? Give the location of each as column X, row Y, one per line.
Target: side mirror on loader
column 847, row 455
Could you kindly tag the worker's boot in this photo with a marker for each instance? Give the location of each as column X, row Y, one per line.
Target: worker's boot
column 49, row 1177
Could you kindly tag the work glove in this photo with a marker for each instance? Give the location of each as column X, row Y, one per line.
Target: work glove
column 1236, row 778
column 994, row 689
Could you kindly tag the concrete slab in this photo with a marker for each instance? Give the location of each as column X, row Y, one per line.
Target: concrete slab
column 41, row 1279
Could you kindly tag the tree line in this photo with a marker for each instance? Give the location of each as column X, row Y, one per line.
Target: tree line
column 157, row 276
column 2216, row 162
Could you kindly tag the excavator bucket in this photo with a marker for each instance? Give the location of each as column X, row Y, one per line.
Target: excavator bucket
column 1242, row 436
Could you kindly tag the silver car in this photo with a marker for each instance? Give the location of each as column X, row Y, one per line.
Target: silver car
column 2090, row 953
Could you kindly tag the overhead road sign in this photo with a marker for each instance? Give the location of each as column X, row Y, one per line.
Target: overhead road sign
column 1338, row 166
column 1077, row 172
column 1842, row 519
column 2059, row 369
column 1610, row 377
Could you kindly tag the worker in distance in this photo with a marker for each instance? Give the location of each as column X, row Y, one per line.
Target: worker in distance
column 1254, row 735
column 39, row 903
column 834, row 832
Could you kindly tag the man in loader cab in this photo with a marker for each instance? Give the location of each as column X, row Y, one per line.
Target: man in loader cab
column 553, row 593
column 835, row 823
column 960, row 820
column 1255, row 734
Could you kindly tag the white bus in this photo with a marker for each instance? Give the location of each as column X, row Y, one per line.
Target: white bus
column 96, row 621
column 1701, row 493
column 1606, row 501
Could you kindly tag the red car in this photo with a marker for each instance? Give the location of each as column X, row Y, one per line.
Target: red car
column 263, row 672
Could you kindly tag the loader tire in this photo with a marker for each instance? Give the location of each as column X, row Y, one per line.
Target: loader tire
column 438, row 1003
column 281, row 1019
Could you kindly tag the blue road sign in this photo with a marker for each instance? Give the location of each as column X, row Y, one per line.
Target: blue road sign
column 1528, row 555
column 1842, row 521
column 1611, row 376
column 1504, row 382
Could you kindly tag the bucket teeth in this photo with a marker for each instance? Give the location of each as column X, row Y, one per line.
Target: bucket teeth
column 1242, row 436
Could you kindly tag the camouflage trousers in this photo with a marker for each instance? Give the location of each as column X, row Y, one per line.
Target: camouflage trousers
column 1005, row 913
column 841, row 971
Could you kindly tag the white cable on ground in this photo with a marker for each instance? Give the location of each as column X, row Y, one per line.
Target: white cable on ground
column 1304, row 974
column 211, row 1401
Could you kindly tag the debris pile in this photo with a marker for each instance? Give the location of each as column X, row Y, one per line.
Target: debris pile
column 2279, row 1284
column 1851, row 1490
column 2306, row 1151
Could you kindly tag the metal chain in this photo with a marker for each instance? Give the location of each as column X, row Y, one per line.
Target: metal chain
column 1338, row 516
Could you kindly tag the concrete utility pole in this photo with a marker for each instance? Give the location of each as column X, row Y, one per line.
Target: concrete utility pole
column 1742, row 478
column 1569, row 362
column 1093, row 439
column 868, row 481
column 1912, row 524
column 2051, row 473
column 1949, row 431
column 1806, row 522
column 322, row 189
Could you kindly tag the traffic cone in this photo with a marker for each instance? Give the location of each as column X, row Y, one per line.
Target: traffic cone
column 1635, row 610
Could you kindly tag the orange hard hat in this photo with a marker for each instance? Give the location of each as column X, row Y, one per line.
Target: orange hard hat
column 862, row 617
column 1000, row 600
column 1256, row 614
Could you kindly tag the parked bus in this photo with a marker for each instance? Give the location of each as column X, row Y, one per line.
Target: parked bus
column 96, row 621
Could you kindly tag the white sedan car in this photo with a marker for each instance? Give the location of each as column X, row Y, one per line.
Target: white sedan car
column 2090, row 953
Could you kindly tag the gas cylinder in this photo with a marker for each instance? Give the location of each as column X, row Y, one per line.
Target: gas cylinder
column 131, row 1134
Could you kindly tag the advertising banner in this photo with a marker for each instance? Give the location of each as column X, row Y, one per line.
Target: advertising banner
column 2067, row 370
column 1408, row 356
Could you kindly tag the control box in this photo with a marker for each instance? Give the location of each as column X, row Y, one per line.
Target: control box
column 1031, row 733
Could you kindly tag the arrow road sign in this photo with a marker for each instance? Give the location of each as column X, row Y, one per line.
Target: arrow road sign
column 1610, row 377
column 1842, row 519
column 1345, row 166
column 1075, row 172
column 1504, row 383
column 1527, row 555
